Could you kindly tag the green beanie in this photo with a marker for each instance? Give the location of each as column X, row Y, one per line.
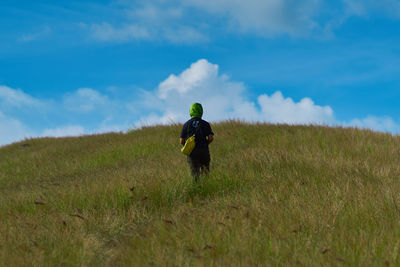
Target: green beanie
column 196, row 110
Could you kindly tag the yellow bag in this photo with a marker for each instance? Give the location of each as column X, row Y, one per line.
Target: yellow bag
column 189, row 146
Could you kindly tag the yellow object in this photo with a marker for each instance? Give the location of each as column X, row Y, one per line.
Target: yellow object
column 189, row 146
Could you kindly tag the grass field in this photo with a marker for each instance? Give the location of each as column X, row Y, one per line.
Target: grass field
column 277, row 195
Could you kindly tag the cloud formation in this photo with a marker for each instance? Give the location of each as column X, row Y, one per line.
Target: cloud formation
column 150, row 20
column 12, row 130
column 265, row 17
column 85, row 100
column 368, row 7
column 195, row 21
column 278, row 109
column 108, row 32
column 17, row 98
column 192, row 21
column 382, row 124
column 224, row 99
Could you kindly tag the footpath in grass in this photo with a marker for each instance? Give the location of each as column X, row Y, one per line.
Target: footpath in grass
column 276, row 195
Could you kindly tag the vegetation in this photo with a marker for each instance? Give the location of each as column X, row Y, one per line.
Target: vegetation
column 277, row 195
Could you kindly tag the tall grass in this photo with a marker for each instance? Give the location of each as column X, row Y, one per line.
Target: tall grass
column 276, row 195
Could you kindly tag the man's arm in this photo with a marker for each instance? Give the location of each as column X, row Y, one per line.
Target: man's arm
column 210, row 138
column 182, row 140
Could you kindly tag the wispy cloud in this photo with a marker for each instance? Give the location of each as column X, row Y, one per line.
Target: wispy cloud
column 192, row 21
column 125, row 33
column 11, row 130
column 383, row 124
column 153, row 20
column 34, row 36
column 17, row 98
column 370, row 7
column 86, row 100
column 195, row 21
column 313, row 18
column 81, row 112
column 265, row 17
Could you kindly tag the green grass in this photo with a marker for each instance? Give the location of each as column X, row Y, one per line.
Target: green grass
column 277, row 195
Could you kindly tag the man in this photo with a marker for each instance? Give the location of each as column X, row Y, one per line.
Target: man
column 199, row 159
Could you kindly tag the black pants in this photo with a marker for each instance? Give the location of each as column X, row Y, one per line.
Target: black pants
column 199, row 162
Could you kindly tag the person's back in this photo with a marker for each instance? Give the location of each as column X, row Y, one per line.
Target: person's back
column 199, row 159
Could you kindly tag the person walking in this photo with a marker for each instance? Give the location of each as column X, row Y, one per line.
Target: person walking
column 199, row 159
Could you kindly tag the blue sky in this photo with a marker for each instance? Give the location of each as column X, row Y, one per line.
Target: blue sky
column 82, row 67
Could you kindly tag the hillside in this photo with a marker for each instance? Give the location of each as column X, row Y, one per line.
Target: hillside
column 276, row 195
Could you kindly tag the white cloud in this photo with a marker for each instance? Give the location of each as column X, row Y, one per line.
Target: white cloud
column 382, row 124
column 107, row 32
column 70, row 130
column 184, row 34
column 195, row 21
column 318, row 18
column 151, row 20
column 23, row 116
column 155, row 12
column 198, row 72
column 265, row 17
column 86, row 100
column 131, row 32
column 12, row 130
column 17, row 98
column 112, row 124
column 278, row 109
column 223, row 99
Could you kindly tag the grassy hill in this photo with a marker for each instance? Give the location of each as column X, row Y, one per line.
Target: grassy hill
column 276, row 195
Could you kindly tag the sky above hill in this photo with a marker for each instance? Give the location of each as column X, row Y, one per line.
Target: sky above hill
column 81, row 67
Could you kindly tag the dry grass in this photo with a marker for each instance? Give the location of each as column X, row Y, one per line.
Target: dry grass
column 277, row 195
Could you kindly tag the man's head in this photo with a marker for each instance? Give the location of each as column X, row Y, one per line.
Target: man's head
column 196, row 110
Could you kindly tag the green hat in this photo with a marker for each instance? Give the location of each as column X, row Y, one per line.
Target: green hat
column 196, row 110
